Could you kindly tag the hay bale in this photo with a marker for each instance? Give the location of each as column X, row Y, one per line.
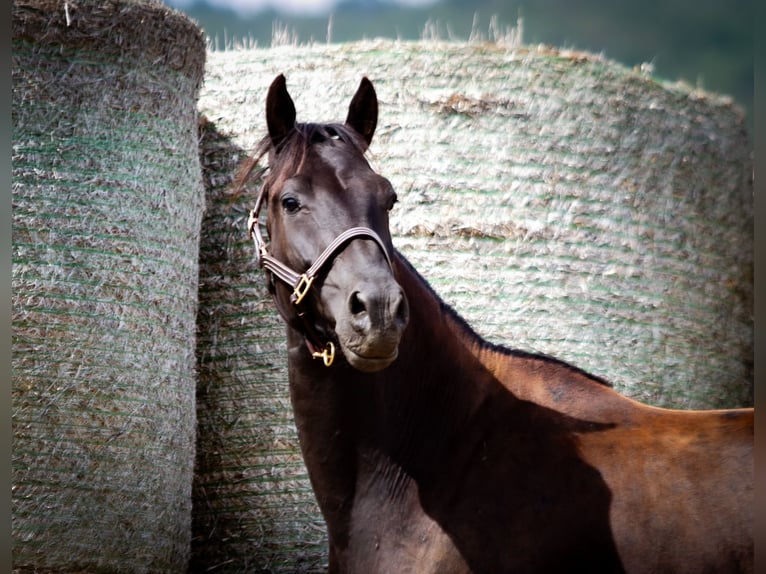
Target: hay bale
column 254, row 510
column 559, row 201
column 107, row 202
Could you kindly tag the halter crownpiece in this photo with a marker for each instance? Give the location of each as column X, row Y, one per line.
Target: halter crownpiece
column 302, row 282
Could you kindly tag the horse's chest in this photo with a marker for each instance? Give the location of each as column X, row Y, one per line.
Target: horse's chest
column 396, row 535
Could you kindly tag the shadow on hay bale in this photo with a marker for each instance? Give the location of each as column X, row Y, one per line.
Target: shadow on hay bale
column 254, row 510
column 107, row 204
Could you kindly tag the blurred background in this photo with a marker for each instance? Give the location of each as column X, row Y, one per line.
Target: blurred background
column 705, row 43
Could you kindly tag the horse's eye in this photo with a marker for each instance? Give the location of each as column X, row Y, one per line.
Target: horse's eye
column 392, row 201
column 290, row 204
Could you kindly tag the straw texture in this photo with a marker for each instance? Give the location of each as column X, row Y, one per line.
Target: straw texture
column 559, row 201
column 107, row 204
column 254, row 510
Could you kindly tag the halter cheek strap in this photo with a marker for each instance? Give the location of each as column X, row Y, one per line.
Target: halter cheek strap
column 301, row 282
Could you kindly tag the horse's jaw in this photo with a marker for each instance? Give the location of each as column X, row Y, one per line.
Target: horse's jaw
column 369, row 363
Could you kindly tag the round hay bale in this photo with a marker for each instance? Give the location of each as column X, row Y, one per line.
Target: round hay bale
column 254, row 510
column 107, row 203
column 560, row 202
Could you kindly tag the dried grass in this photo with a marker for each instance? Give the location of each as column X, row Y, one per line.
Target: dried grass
column 107, row 203
column 254, row 510
column 559, row 201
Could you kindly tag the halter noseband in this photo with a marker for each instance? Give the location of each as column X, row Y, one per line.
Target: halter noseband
column 301, row 282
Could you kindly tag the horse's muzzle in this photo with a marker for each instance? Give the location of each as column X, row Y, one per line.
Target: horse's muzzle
column 370, row 330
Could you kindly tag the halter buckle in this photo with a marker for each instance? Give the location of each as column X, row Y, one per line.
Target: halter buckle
column 327, row 355
column 302, row 288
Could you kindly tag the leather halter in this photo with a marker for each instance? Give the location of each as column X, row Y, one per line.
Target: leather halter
column 300, row 283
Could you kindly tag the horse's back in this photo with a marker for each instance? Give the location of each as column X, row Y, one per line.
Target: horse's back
column 681, row 482
column 682, row 487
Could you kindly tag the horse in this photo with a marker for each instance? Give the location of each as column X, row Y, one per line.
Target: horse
column 430, row 449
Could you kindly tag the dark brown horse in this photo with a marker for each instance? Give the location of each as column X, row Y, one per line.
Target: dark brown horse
column 431, row 450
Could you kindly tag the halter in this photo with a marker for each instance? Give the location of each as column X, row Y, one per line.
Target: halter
column 300, row 283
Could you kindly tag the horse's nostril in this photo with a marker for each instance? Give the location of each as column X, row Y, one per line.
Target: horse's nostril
column 356, row 304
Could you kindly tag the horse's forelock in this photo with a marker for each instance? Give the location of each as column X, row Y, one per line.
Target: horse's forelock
column 286, row 157
column 295, row 146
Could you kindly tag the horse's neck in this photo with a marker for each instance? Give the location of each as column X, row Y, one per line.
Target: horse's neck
column 438, row 369
column 442, row 366
column 437, row 332
column 436, row 380
column 355, row 427
column 433, row 335
column 528, row 377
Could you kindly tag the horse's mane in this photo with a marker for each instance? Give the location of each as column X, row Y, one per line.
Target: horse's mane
column 483, row 344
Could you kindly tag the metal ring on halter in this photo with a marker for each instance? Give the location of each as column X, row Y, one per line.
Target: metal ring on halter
column 327, row 355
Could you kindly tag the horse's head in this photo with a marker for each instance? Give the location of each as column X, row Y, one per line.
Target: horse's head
column 319, row 187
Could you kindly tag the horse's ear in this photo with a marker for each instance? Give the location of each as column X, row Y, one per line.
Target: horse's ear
column 280, row 110
column 363, row 110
